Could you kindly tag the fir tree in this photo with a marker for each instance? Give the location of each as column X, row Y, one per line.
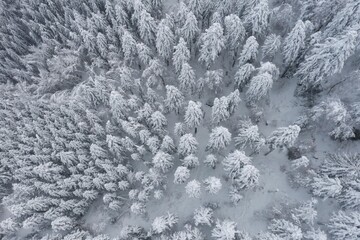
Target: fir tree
column 220, row 137
column 294, row 43
column 271, row 46
column 283, row 137
column 250, row 51
column 190, row 161
column 234, row 32
column 220, row 111
column 325, row 59
column 165, row 40
column 285, row 229
column 248, row 136
column 147, row 27
column 212, row 185
column 259, row 87
column 174, row 99
column 212, row 43
column 163, row 161
column 190, row 29
column 187, row 145
column 187, row 78
column 224, row 230
column 243, row 75
column 203, row 216
column 193, row 189
column 181, row 54
column 181, row 174
column 193, row 115
column 259, row 18
column 234, row 162
column 345, row 225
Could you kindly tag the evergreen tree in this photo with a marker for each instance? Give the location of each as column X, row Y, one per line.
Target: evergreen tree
column 147, row 27
column 325, row 59
column 285, row 229
column 234, row 32
column 128, row 46
column 165, row 40
column 248, row 177
column 345, row 225
column 248, row 136
column 162, row 161
column 212, row 185
column 271, row 46
column 283, row 137
column 326, row 187
column 181, row 174
column 190, row 29
column 158, row 121
column 294, row 43
column 203, row 216
column 220, row 111
column 193, row 189
column 234, row 162
column 224, row 230
column 190, row 161
column 181, row 54
column 259, row 18
column 211, row 160
column 144, row 53
column 174, row 99
column 187, row 78
column 259, row 87
column 193, row 115
column 212, row 43
column 243, row 75
column 220, row 137
column 250, row 51
column 187, row 145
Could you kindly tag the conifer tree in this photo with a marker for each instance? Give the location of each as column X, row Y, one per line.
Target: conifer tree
column 271, row 46
column 181, row 174
column 243, row 75
column 190, row 29
column 187, row 145
column 193, row 115
column 259, row 18
column 259, row 87
column 325, row 59
column 220, row 137
column 250, row 51
column 128, row 46
column 181, row 54
column 212, row 185
column 224, row 230
column 212, row 43
column 186, row 78
column 345, row 225
column 174, row 99
column 283, row 137
column 163, row 161
column 294, row 43
column 220, row 111
column 147, row 27
column 203, row 216
column 165, row 40
column 234, row 32
column 234, row 162
column 193, row 189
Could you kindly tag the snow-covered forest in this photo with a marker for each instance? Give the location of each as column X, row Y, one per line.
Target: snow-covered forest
column 180, row 119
